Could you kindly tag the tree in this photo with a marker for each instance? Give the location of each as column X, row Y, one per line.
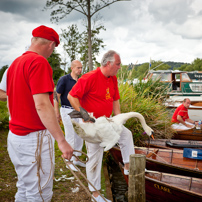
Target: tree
column 76, row 44
column 71, row 39
column 97, row 43
column 54, row 61
column 86, row 7
column 2, row 70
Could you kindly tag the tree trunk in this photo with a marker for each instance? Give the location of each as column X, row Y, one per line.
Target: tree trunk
column 90, row 63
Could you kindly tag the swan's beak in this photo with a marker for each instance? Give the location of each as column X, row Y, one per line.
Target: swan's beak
column 152, row 135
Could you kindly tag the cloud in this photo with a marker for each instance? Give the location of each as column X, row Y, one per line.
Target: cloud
column 138, row 30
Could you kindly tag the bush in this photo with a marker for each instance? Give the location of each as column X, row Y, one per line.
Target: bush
column 146, row 99
column 4, row 115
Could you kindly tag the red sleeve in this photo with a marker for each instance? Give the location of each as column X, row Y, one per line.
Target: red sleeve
column 81, row 87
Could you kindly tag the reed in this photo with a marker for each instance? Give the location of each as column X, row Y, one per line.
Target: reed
column 147, row 99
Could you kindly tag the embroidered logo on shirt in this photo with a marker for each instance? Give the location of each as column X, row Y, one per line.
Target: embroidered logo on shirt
column 107, row 94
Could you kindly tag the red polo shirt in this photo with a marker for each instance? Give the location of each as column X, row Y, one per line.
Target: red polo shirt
column 96, row 93
column 182, row 111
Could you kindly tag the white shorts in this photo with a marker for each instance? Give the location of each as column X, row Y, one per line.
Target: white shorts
column 95, row 154
column 180, row 126
column 22, row 151
column 71, row 136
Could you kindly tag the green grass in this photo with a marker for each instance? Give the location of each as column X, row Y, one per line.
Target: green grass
column 61, row 190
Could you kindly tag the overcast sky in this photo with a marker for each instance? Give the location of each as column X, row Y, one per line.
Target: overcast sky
column 166, row 30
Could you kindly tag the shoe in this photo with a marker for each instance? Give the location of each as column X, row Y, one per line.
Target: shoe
column 78, row 163
column 100, row 199
column 72, row 167
column 126, row 172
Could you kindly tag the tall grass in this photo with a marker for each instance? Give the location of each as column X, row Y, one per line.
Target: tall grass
column 147, row 99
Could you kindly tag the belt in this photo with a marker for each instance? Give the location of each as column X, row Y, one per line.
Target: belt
column 68, row 107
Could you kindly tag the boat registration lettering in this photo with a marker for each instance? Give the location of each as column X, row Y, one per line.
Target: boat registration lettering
column 194, row 153
column 160, row 187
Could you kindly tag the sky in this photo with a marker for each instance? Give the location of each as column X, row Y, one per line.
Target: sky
column 139, row 30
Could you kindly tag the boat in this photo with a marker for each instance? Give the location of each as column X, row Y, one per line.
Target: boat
column 172, row 143
column 194, row 110
column 190, row 134
column 165, row 160
column 168, row 187
column 180, row 83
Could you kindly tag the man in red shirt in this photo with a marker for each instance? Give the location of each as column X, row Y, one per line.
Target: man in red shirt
column 97, row 92
column 181, row 118
column 33, row 124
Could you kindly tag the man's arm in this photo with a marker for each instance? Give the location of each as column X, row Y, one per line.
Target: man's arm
column 179, row 118
column 56, row 106
column 74, row 102
column 116, row 107
column 47, row 115
column 3, row 96
column 191, row 121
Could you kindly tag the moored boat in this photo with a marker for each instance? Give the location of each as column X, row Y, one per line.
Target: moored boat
column 172, row 143
column 168, row 187
column 191, row 134
column 165, row 160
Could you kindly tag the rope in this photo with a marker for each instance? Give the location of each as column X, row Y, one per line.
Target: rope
column 87, row 191
column 40, row 136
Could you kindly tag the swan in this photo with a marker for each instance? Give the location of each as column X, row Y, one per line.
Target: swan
column 105, row 131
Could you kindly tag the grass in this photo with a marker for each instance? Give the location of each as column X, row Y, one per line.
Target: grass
column 62, row 190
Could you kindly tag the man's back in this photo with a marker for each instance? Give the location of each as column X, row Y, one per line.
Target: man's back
column 29, row 74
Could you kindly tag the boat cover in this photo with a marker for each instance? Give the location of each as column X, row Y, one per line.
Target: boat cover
column 192, row 153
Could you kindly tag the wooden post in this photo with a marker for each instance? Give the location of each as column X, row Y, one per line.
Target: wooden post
column 136, row 184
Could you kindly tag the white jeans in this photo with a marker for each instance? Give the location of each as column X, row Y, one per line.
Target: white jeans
column 71, row 136
column 95, row 154
column 22, row 151
column 180, row 126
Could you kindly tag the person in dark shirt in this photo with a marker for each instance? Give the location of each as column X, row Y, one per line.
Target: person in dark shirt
column 64, row 85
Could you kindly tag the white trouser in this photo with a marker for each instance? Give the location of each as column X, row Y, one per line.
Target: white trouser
column 95, row 154
column 23, row 153
column 71, row 136
column 180, row 126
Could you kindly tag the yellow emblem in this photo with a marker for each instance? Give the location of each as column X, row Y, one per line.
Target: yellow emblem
column 108, row 94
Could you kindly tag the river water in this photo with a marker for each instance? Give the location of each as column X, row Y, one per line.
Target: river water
column 119, row 186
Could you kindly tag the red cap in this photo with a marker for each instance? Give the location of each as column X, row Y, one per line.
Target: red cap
column 46, row 33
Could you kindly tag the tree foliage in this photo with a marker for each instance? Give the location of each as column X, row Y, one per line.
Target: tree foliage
column 196, row 65
column 76, row 44
column 62, row 8
column 2, row 70
column 71, row 38
column 54, row 61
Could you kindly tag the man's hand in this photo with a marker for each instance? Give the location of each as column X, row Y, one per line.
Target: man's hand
column 66, row 149
column 189, row 126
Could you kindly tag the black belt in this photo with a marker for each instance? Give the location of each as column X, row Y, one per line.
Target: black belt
column 68, row 107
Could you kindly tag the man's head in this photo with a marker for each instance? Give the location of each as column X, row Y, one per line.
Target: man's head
column 44, row 40
column 46, row 33
column 76, row 67
column 110, row 63
column 186, row 102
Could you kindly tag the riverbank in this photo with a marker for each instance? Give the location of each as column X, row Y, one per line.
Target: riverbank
column 65, row 188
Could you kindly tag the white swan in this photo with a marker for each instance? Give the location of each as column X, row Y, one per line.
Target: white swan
column 106, row 131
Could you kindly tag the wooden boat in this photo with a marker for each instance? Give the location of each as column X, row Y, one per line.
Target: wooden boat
column 168, row 187
column 165, row 160
column 191, row 134
column 168, row 143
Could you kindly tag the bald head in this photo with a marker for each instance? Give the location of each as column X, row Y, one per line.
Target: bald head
column 76, row 68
